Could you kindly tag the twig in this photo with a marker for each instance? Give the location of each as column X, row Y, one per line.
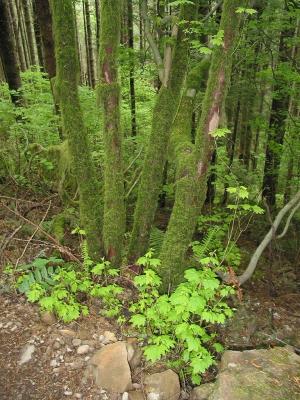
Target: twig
column 57, row 245
column 212, row 10
column 5, row 242
column 32, row 236
column 288, row 221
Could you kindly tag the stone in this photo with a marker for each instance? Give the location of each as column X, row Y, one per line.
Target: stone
column 162, row 386
column 54, row 363
column 48, row 318
column 68, row 393
column 202, row 392
column 68, row 333
column 27, row 353
column 56, row 345
column 76, row 342
column 111, row 369
column 109, row 337
column 83, row 349
column 270, row 374
column 125, row 396
column 136, row 395
column 134, row 353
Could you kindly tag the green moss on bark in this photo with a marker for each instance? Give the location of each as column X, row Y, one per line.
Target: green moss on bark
column 163, row 115
column 193, row 160
column 109, row 95
column 74, row 130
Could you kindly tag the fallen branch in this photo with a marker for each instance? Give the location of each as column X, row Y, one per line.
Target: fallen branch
column 32, row 236
column 62, row 249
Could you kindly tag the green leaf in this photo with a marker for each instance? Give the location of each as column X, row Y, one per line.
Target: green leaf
column 138, row 320
column 221, row 132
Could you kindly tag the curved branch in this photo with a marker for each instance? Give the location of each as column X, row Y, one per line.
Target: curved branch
column 288, row 221
column 292, row 204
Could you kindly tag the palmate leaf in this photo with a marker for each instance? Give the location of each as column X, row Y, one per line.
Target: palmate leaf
column 138, row 320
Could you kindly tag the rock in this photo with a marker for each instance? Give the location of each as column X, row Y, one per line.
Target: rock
column 136, row 395
column 202, row 392
column 27, row 353
column 134, row 353
column 258, row 374
column 56, row 345
column 111, row 369
column 184, row 395
column 68, row 393
column 68, row 333
column 54, row 363
column 136, row 386
column 76, row 342
column 109, row 337
column 125, row 396
column 162, row 386
column 78, row 396
column 48, row 318
column 83, row 349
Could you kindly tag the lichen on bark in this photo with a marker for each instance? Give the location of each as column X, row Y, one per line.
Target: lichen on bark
column 66, row 84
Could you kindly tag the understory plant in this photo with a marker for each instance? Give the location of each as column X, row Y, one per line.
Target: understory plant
column 178, row 326
column 62, row 287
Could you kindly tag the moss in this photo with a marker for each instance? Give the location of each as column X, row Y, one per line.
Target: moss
column 66, row 85
column 109, row 96
column 164, row 113
column 58, row 227
column 193, row 160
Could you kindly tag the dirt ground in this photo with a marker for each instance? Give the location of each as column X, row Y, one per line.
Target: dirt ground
column 269, row 315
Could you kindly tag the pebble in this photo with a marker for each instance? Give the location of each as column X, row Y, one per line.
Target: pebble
column 83, row 349
column 76, row 342
column 125, row 396
column 68, row 393
column 78, row 396
column 53, row 363
column 109, row 337
column 56, row 345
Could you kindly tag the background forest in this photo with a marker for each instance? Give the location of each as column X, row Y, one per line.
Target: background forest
column 152, row 146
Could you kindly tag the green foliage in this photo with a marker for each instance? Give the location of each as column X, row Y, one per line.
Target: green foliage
column 57, row 286
column 176, row 324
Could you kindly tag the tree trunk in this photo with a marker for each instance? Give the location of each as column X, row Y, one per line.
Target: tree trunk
column 131, row 67
column 89, row 42
column 8, row 52
column 194, row 160
column 22, row 29
column 152, row 173
column 27, row 7
column 114, row 207
column 43, row 13
column 277, row 125
column 67, row 87
column 17, row 33
column 97, row 11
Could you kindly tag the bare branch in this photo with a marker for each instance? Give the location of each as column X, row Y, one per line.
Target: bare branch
column 293, row 204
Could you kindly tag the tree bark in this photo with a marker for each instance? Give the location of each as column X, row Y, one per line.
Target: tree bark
column 20, row 50
column 27, row 7
column 89, row 42
column 67, row 87
column 114, row 207
column 194, row 159
column 152, row 173
column 8, row 52
column 43, row 14
column 131, row 67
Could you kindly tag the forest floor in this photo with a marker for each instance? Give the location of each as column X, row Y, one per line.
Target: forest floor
column 268, row 315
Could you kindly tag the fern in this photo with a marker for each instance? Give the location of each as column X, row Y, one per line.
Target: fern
column 156, row 240
column 40, row 271
column 87, row 261
column 207, row 244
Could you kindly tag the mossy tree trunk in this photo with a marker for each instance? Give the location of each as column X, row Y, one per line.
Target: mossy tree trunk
column 27, row 7
column 163, row 115
column 193, row 160
column 8, row 52
column 89, row 43
column 109, row 88
column 73, row 126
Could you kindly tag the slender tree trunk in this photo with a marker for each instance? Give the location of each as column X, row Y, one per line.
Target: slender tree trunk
column 66, row 84
column 131, row 67
column 43, row 13
column 194, row 159
column 8, row 52
column 27, row 7
column 20, row 50
column 38, row 37
column 114, row 206
column 89, row 43
column 277, row 125
column 22, row 28
column 97, row 11
column 151, row 179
